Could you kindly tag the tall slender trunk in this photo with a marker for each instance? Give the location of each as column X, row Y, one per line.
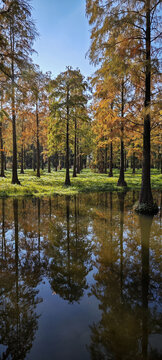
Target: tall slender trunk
column 42, row 162
column 121, row 181
column 1, row 143
column 146, row 204
column 22, row 150
column 125, row 161
column 57, row 161
column 80, row 162
column 34, row 158
column 2, row 174
column 111, row 160
column 5, row 162
column 106, row 160
column 75, row 149
column 49, row 164
column 78, row 156
column 78, row 159
column 67, row 180
column 15, row 179
column 111, row 152
column 22, row 158
column 38, row 146
column 146, row 194
column 133, row 164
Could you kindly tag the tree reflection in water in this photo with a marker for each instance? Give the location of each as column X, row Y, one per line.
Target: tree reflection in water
column 18, row 299
column 56, row 243
column 127, row 321
column 69, row 251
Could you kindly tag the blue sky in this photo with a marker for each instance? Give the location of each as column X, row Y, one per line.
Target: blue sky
column 64, row 35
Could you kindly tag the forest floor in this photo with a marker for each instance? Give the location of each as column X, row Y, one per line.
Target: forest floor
column 87, row 181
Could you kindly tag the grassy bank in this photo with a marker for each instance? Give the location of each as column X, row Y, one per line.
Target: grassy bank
column 49, row 184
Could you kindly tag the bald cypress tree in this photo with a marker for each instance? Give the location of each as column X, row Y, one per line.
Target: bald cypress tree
column 67, row 92
column 141, row 20
column 19, row 31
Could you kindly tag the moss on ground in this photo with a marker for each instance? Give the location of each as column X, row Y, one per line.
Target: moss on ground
column 87, row 181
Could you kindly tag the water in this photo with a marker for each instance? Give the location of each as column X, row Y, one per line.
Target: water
column 79, row 279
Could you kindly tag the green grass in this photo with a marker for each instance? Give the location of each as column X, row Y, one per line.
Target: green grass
column 87, row 181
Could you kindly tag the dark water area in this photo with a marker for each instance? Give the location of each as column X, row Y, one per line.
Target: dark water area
column 79, row 279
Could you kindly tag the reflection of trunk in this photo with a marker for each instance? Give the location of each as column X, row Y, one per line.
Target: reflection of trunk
column 67, row 180
column 76, row 226
column 145, row 224
column 121, row 197
column 15, row 210
column 39, row 229
column 121, row 181
column 111, row 224
column 3, row 230
column 68, row 239
column 38, row 146
column 50, row 208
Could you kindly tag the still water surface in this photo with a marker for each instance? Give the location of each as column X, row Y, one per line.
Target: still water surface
column 79, row 279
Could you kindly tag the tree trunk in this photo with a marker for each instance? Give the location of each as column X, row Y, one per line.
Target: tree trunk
column 111, row 160
column 22, row 150
column 5, row 162
column 125, row 161
column 75, row 150
column 106, row 160
column 49, row 164
column 15, row 179
column 67, row 180
column 80, row 162
column 2, row 152
column 42, row 162
column 121, row 181
column 22, row 159
column 34, row 158
column 133, row 164
column 146, row 204
column 38, row 146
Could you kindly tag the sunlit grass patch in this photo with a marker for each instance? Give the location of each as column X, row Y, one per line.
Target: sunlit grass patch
column 86, row 181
